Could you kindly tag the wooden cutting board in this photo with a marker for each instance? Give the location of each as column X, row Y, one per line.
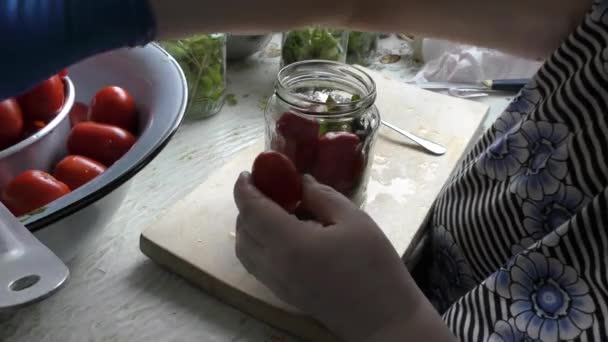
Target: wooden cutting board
column 195, row 238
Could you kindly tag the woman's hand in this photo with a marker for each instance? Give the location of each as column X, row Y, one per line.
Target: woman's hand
column 340, row 268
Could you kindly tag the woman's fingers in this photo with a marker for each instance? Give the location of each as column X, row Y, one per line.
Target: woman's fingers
column 257, row 259
column 249, row 251
column 267, row 222
column 325, row 204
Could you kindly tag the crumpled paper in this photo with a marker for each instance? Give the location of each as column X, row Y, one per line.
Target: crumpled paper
column 452, row 62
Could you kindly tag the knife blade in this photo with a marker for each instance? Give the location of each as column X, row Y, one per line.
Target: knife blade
column 508, row 85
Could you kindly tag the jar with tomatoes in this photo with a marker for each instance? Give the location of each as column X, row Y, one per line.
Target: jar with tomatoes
column 203, row 59
column 322, row 116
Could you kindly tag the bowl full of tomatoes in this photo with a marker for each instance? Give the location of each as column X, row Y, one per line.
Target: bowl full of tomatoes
column 121, row 108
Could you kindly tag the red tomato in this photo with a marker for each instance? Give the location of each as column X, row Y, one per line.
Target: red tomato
column 63, row 73
column 31, row 190
column 11, row 123
column 103, row 143
column 76, row 171
column 298, row 138
column 339, row 161
column 43, row 102
column 114, row 106
column 78, row 113
column 276, row 177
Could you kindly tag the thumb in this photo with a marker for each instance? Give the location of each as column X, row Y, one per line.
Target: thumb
column 325, row 204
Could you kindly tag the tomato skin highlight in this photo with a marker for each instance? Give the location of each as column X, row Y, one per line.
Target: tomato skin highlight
column 31, row 190
column 114, row 106
column 75, row 171
column 275, row 175
column 43, row 102
column 100, row 142
column 11, row 123
column 298, row 140
column 339, row 161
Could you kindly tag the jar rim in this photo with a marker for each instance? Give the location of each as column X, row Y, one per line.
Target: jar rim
column 342, row 71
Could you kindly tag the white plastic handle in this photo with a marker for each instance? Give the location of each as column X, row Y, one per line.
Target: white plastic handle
column 29, row 271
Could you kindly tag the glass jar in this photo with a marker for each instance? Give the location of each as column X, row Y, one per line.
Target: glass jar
column 362, row 47
column 322, row 116
column 318, row 43
column 203, row 59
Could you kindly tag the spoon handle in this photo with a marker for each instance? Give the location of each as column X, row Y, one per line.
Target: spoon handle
column 430, row 146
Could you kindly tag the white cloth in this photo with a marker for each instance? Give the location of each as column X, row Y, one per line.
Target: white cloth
column 451, row 62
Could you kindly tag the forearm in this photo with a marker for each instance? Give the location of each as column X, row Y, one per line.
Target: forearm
column 177, row 18
column 44, row 36
column 423, row 324
column 399, row 315
column 533, row 28
column 40, row 37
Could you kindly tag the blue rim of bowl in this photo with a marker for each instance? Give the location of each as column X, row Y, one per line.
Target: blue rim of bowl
column 55, row 212
column 48, row 128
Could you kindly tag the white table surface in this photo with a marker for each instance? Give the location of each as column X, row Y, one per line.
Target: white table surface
column 117, row 294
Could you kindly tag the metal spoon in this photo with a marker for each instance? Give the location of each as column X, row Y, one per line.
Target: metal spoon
column 430, row 146
column 29, row 271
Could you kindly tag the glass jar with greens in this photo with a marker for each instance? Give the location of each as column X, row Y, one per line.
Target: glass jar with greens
column 361, row 47
column 203, row 59
column 318, row 43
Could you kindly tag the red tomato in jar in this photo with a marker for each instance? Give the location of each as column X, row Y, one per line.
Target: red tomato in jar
column 76, row 171
column 43, row 102
column 11, row 123
column 114, row 106
column 339, row 161
column 297, row 139
column 78, row 113
column 277, row 177
column 31, row 190
column 103, row 143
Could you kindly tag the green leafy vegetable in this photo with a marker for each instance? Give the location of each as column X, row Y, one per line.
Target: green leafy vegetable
column 231, row 100
column 361, row 47
column 337, row 125
column 334, row 126
column 202, row 57
column 331, row 104
column 313, row 43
